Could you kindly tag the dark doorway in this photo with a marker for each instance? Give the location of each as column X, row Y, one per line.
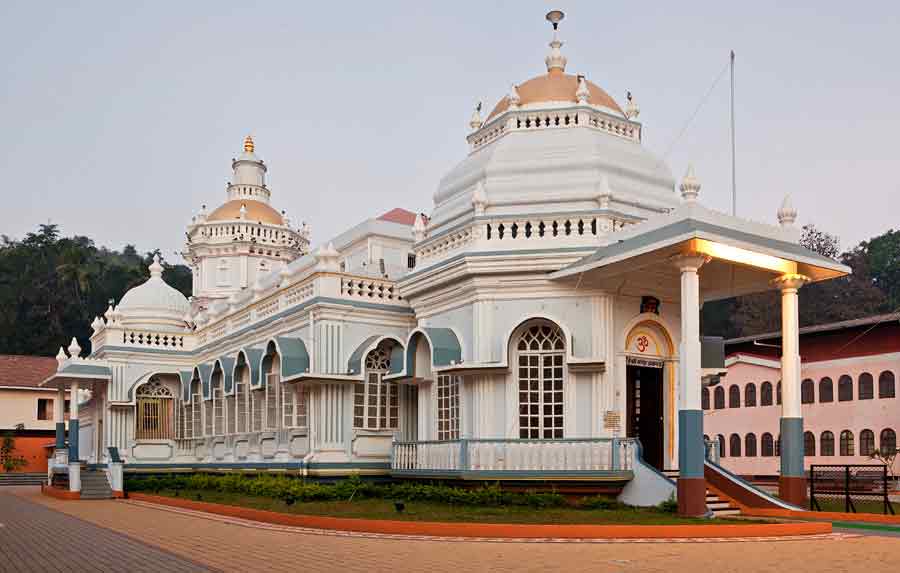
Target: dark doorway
column 645, row 411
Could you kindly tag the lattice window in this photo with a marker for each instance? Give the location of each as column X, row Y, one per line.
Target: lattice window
column 273, row 388
column 218, row 408
column 197, row 413
column 257, row 409
column 866, row 443
column 376, row 403
column 230, row 417
column 448, row 407
column 847, row 447
column 541, row 354
column 888, row 441
column 242, row 393
column 294, row 407
column 155, row 412
column 826, row 444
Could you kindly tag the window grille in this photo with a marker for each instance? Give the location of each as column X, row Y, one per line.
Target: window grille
column 197, row 413
column 448, row 407
column 242, row 393
column 273, row 386
column 155, row 412
column 294, row 407
column 218, row 410
column 230, row 414
column 826, row 444
column 411, row 261
column 207, row 418
column 376, row 403
column 847, row 446
column 257, row 409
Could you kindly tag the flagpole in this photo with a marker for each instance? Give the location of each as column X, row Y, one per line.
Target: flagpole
column 733, row 175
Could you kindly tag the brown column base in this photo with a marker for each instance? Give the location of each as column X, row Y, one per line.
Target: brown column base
column 692, row 497
column 792, row 489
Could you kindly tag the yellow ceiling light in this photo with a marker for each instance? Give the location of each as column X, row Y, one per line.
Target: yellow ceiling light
column 743, row 256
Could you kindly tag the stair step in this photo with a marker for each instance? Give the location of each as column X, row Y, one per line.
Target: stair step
column 726, row 512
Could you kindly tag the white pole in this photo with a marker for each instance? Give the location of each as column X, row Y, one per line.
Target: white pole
column 733, row 175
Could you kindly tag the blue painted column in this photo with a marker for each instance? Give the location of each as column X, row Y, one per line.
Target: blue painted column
column 792, row 483
column 691, row 481
column 74, row 464
column 59, row 416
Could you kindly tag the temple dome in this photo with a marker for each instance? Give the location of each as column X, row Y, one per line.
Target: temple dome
column 255, row 211
column 556, row 87
column 153, row 304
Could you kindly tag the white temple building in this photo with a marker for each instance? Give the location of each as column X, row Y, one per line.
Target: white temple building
column 540, row 325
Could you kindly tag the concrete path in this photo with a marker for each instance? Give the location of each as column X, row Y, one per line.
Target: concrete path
column 232, row 545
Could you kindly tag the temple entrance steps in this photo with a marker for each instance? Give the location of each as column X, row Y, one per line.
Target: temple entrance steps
column 95, row 485
column 719, row 505
column 671, row 474
column 22, row 478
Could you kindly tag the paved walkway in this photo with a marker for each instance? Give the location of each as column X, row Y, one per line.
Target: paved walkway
column 229, row 545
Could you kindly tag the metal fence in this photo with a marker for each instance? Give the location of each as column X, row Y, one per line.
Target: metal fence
column 849, row 488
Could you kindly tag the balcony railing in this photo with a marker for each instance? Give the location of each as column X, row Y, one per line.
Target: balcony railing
column 514, row 456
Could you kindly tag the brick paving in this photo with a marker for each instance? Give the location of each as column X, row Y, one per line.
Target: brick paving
column 36, row 538
column 230, row 546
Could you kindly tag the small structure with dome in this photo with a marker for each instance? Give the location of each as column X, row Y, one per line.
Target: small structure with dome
column 540, row 323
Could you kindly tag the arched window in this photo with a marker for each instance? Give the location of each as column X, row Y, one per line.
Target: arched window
column 196, row 408
column 847, row 447
column 734, row 445
column 866, row 443
column 809, row 444
column 826, row 390
column 750, row 395
column 807, row 392
column 704, row 398
column 155, row 412
column 541, row 354
column 866, row 389
column 750, row 445
column 778, row 393
column 376, row 403
column 765, row 394
column 721, row 440
column 271, row 373
column 734, row 396
column 845, row 388
column 888, row 442
column 719, row 397
column 242, row 396
column 767, row 445
column 886, row 385
column 826, row 444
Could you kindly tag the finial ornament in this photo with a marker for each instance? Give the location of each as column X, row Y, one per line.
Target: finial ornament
column 582, row 93
column 631, row 108
column 555, row 60
column 61, row 356
column 514, row 98
column 475, row 122
column 74, row 349
column 690, row 186
column 156, row 269
column 419, row 228
column 248, row 144
column 242, row 212
column 787, row 214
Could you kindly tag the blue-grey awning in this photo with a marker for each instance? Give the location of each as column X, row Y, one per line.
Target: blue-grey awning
column 294, row 356
column 355, row 363
column 186, row 376
column 204, row 372
column 226, row 363
column 78, row 372
column 445, row 348
column 252, row 358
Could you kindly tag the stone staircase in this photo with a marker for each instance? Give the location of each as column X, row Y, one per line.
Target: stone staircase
column 22, row 479
column 94, row 484
column 719, row 506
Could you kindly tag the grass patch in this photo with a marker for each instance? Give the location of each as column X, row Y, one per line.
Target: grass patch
column 862, row 506
column 369, row 508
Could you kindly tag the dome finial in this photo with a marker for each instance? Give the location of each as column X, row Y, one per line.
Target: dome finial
column 156, row 269
column 632, row 110
column 787, row 214
column 248, row 144
column 690, row 186
column 475, row 122
column 583, row 94
column 555, row 60
column 514, row 98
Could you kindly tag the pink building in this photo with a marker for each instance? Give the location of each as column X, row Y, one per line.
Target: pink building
column 848, row 394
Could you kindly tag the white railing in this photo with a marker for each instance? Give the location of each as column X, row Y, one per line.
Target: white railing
column 152, row 339
column 564, row 455
column 377, row 290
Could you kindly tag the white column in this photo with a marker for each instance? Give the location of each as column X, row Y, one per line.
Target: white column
column 74, row 463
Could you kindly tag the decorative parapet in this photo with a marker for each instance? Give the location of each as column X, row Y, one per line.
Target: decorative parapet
column 535, row 119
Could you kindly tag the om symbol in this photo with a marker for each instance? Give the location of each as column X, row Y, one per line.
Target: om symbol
column 642, row 343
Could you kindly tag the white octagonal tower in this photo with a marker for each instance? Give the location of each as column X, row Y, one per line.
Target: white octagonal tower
column 245, row 238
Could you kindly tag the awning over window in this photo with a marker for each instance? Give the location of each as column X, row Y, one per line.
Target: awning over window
column 356, row 362
column 252, row 357
column 294, row 356
column 186, row 376
column 226, row 363
column 204, row 372
column 445, row 348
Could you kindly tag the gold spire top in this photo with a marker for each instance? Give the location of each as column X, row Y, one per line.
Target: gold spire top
column 248, row 144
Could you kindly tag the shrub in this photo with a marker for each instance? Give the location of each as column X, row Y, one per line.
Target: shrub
column 668, row 506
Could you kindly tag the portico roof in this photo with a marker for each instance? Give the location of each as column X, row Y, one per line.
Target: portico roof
column 744, row 255
column 80, row 371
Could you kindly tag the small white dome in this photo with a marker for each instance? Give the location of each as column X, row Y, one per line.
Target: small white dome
column 154, row 304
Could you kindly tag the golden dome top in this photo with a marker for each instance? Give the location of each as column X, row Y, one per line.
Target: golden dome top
column 248, row 144
column 255, row 211
column 555, row 86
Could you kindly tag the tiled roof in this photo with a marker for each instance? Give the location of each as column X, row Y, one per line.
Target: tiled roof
column 399, row 215
column 25, row 371
column 831, row 326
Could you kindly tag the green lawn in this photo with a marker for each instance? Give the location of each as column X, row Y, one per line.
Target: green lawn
column 862, row 506
column 430, row 511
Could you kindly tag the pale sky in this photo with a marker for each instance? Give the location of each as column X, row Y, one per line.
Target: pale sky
column 119, row 120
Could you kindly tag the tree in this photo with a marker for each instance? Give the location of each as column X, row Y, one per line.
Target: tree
column 820, row 242
column 884, row 263
column 9, row 460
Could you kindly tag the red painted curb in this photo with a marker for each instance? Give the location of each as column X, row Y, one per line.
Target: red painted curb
column 58, row 493
column 824, row 515
column 495, row 530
